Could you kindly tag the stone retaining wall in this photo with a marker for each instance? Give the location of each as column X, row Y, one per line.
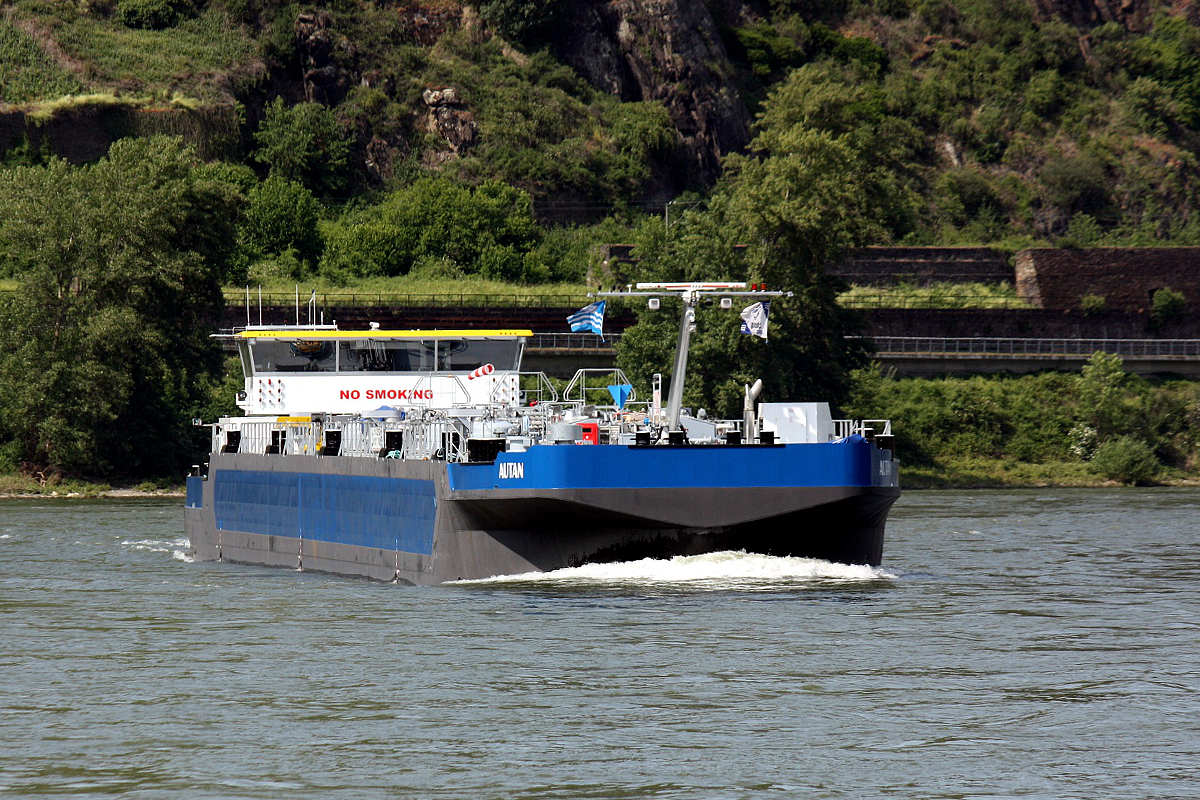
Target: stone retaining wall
column 1050, row 278
column 1126, row 277
column 888, row 266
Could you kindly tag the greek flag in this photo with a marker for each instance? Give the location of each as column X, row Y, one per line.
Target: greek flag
column 754, row 318
column 589, row 318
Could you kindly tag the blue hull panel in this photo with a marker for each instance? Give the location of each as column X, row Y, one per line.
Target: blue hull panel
column 365, row 511
column 849, row 463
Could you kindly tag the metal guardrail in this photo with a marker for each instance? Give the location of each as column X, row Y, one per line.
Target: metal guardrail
column 934, row 346
column 572, row 341
column 1033, row 347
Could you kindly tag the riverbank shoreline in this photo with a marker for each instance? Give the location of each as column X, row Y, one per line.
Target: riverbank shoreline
column 95, row 494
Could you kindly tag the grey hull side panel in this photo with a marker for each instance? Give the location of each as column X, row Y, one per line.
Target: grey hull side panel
column 197, row 522
column 706, row 507
column 368, row 562
column 844, row 525
column 254, row 548
column 478, row 535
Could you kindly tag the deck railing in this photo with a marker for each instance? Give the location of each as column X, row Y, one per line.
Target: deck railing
column 572, row 341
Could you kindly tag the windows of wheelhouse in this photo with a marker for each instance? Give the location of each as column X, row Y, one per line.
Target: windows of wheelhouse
column 380, row 355
column 429, row 355
column 292, row 355
column 467, row 354
column 243, row 347
column 387, row 355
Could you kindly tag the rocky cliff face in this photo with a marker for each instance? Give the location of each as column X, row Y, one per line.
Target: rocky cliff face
column 665, row 50
column 329, row 59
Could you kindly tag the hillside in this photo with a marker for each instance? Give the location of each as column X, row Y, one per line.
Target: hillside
column 1062, row 121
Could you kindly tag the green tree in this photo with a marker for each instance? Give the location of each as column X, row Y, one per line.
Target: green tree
column 483, row 230
column 849, row 107
column 1078, row 184
column 523, row 21
column 1170, row 53
column 800, row 206
column 104, row 348
column 642, row 133
column 282, row 214
column 1102, row 400
column 306, row 144
column 364, row 249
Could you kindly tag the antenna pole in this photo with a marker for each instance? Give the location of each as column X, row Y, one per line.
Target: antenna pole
column 691, row 294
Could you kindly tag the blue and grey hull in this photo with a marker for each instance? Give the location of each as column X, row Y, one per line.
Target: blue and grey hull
column 548, row 507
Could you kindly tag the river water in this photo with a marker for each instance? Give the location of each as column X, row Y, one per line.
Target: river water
column 1016, row 644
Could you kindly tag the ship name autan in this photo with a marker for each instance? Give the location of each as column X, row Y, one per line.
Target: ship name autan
column 512, row 469
column 386, row 394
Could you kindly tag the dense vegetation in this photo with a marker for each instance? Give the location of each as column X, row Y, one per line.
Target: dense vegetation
column 1046, row 428
column 104, row 356
column 464, row 149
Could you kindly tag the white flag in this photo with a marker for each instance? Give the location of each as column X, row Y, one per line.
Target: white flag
column 754, row 318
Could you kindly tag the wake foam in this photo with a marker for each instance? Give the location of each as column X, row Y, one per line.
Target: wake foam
column 723, row 570
column 160, row 546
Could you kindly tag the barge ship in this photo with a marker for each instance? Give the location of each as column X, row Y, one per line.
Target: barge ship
column 429, row 456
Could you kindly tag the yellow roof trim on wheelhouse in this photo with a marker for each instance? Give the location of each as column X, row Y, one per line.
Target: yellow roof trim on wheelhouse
column 381, row 334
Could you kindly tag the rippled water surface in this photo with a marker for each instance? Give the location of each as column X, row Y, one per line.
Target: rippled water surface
column 1015, row 644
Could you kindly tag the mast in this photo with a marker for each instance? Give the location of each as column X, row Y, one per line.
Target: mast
column 687, row 324
column 691, row 294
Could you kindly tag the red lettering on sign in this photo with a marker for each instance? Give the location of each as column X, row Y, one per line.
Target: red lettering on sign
column 386, row 394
